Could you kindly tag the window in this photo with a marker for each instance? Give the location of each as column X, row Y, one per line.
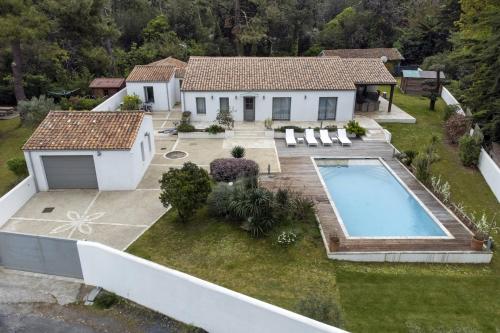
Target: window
column 281, row 108
column 142, row 151
column 180, row 83
column 200, row 105
column 327, row 108
column 149, row 96
column 224, row 104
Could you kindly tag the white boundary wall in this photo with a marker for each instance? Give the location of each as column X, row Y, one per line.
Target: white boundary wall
column 490, row 171
column 13, row 200
column 449, row 99
column 187, row 298
column 113, row 102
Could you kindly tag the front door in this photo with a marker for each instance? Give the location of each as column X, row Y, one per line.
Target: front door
column 249, row 108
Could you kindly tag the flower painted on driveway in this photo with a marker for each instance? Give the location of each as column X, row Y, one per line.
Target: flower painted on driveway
column 78, row 223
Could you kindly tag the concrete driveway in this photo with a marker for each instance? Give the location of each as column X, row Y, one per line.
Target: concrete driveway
column 115, row 218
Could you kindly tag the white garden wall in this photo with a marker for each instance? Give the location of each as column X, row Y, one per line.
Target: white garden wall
column 490, row 171
column 449, row 99
column 304, row 104
column 13, row 200
column 113, row 102
column 187, row 298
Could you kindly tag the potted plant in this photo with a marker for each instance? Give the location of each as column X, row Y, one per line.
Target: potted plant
column 482, row 230
column 354, row 128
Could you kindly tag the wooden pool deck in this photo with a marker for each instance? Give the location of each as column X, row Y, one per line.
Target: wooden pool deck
column 299, row 174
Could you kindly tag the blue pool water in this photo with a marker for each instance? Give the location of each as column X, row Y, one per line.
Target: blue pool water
column 372, row 203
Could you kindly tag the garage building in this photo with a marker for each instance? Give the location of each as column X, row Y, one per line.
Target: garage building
column 90, row 150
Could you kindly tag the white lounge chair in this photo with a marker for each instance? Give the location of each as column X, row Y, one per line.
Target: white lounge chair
column 310, row 139
column 324, row 137
column 290, row 137
column 342, row 136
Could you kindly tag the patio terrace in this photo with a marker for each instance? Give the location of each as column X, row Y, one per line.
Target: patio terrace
column 299, row 174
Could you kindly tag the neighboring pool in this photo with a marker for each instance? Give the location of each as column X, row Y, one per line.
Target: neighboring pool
column 372, row 202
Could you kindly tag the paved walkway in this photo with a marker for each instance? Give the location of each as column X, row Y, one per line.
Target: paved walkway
column 113, row 218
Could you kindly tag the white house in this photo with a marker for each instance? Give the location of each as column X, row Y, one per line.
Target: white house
column 287, row 88
column 157, row 84
column 100, row 150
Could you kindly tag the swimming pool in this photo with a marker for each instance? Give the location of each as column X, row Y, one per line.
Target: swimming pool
column 370, row 202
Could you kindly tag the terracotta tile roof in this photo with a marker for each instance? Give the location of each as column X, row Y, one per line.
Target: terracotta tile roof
column 170, row 61
column 86, row 130
column 368, row 71
column 254, row 73
column 107, row 82
column 390, row 53
column 180, row 66
column 151, row 73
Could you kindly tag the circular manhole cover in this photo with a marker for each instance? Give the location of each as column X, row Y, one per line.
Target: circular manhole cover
column 175, row 154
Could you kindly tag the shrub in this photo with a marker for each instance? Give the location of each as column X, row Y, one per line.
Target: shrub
column 455, row 127
column 353, row 127
column 186, row 117
column 442, row 189
column 230, row 169
column 87, row 103
column 225, row 118
column 255, row 206
column 320, row 308
column 449, row 111
column 185, row 127
column 34, row 111
column 219, row 200
column 238, row 152
column 214, row 129
column 287, row 238
column 185, row 189
column 131, row 102
column 469, row 150
column 301, row 206
column 105, row 300
column 18, row 166
column 283, row 129
column 423, row 164
column 330, row 128
column 407, row 157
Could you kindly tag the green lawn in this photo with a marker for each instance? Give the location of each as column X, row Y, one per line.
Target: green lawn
column 467, row 185
column 12, row 138
column 373, row 297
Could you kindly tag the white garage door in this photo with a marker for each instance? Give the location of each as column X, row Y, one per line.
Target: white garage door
column 65, row 172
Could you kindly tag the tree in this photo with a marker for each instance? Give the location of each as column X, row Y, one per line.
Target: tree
column 432, row 89
column 185, row 189
column 36, row 109
column 476, row 50
column 20, row 22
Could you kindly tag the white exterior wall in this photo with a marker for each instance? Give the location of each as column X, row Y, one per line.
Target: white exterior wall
column 185, row 297
column 171, row 93
column 115, row 169
column 160, row 90
column 449, row 99
column 13, row 200
column 302, row 109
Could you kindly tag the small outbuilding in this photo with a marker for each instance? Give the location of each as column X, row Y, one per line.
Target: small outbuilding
column 106, row 86
column 107, row 151
column 414, row 82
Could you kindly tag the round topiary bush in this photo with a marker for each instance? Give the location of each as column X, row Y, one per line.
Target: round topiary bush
column 238, row 152
column 230, row 169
